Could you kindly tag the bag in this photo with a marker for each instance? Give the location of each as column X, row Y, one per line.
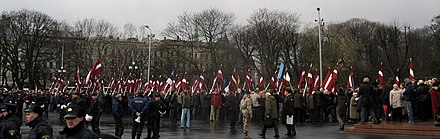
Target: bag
column 268, row 123
column 289, row 119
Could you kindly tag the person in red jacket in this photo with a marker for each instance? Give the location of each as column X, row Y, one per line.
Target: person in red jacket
column 216, row 102
column 435, row 99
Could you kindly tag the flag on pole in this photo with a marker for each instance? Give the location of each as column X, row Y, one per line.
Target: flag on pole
column 202, row 84
column 234, row 83
column 316, row 84
column 280, row 71
column 411, row 71
column 96, row 69
column 380, row 75
column 301, row 79
column 309, row 79
column 331, row 78
column 248, row 81
column 262, row 82
column 273, row 81
column 350, row 81
column 219, row 75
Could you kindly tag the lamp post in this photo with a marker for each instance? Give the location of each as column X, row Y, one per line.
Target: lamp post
column 150, row 36
column 321, row 23
column 61, row 71
column 133, row 67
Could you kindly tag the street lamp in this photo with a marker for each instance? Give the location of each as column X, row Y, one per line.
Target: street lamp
column 150, row 37
column 133, row 67
column 61, row 71
column 321, row 23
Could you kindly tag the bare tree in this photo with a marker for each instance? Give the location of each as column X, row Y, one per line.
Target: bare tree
column 130, row 31
column 27, row 45
column 209, row 26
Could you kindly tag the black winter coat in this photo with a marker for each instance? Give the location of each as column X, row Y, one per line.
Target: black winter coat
column 78, row 132
column 117, row 109
column 40, row 129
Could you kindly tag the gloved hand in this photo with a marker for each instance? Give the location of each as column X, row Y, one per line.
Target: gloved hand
column 138, row 119
column 89, row 118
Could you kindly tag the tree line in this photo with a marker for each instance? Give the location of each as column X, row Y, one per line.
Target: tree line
column 30, row 40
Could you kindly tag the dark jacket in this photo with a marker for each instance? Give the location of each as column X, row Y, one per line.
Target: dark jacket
column 186, row 101
column 232, row 102
column 117, row 109
column 205, row 100
column 196, row 100
column 271, row 107
column 9, row 127
column 40, row 129
column 366, row 91
column 408, row 94
column 139, row 104
column 318, row 99
column 78, row 132
column 96, row 108
column 298, row 100
column 153, row 108
column 340, row 102
column 289, row 104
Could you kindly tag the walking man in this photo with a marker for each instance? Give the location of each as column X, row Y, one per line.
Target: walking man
column 246, row 109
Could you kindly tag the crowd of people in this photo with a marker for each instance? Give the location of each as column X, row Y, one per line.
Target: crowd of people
column 369, row 103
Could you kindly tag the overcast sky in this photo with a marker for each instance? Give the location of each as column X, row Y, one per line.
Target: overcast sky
column 157, row 13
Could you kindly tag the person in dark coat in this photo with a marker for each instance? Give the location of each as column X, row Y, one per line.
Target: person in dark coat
column 233, row 108
column 341, row 100
column 153, row 117
column 288, row 110
column 40, row 128
column 75, row 127
column 368, row 101
column 138, row 107
column 10, row 125
column 422, row 101
column 319, row 105
column 205, row 100
column 270, row 114
column 118, row 113
column 95, row 112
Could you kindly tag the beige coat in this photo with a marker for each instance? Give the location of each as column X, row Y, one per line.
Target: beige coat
column 353, row 107
column 395, row 98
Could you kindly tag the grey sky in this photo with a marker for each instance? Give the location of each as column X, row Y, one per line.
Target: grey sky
column 157, row 13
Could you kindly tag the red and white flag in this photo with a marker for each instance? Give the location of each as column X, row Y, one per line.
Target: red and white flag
column 350, row 81
column 248, row 81
column 234, row 83
column 219, row 76
column 380, row 75
column 96, row 69
column 273, row 81
column 397, row 81
column 301, row 79
column 331, row 78
column 316, row 84
column 202, row 84
column 411, row 71
column 309, row 79
column 262, row 82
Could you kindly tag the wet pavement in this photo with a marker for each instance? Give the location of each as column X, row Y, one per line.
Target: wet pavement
column 221, row 130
